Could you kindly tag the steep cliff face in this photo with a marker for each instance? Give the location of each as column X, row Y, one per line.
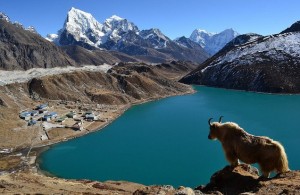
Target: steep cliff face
column 21, row 49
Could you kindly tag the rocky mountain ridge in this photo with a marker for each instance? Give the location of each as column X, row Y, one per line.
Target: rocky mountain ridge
column 22, row 49
column 254, row 63
column 4, row 17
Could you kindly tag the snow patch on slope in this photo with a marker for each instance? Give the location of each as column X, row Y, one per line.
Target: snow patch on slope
column 273, row 46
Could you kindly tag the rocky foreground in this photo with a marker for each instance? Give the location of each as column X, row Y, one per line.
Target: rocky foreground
column 242, row 179
column 245, row 178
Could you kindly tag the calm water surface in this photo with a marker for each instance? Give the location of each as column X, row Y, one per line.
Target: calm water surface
column 165, row 142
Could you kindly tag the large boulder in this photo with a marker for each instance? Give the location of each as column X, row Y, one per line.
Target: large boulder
column 244, row 179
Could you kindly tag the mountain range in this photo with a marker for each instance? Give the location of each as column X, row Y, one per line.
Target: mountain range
column 249, row 62
column 119, row 34
column 84, row 40
column 254, row 62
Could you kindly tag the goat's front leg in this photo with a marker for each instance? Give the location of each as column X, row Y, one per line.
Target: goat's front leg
column 231, row 157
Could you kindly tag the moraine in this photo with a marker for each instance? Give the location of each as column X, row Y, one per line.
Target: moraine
column 165, row 142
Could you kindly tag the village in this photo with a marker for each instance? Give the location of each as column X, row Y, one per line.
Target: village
column 61, row 119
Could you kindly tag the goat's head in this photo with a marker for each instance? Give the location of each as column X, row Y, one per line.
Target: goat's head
column 213, row 128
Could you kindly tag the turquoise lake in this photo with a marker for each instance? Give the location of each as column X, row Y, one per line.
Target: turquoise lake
column 165, row 141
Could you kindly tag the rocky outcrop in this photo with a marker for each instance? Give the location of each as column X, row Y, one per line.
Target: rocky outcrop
column 244, row 179
column 21, row 49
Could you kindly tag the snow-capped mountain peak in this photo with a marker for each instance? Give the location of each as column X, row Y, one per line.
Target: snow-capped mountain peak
column 201, row 36
column 201, row 31
column 229, row 32
column 80, row 18
column 153, row 32
column 119, row 34
column 119, row 24
column 115, row 26
column 213, row 42
column 156, row 37
column 84, row 26
column 114, row 18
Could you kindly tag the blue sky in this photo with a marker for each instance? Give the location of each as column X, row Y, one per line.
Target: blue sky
column 174, row 17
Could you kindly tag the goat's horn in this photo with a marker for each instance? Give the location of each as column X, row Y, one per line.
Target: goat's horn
column 209, row 121
column 220, row 119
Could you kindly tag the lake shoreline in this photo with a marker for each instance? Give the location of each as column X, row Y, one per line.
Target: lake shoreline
column 43, row 147
column 176, row 120
column 122, row 111
column 243, row 90
column 30, row 161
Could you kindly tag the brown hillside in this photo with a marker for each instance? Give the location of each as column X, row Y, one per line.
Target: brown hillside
column 21, row 50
